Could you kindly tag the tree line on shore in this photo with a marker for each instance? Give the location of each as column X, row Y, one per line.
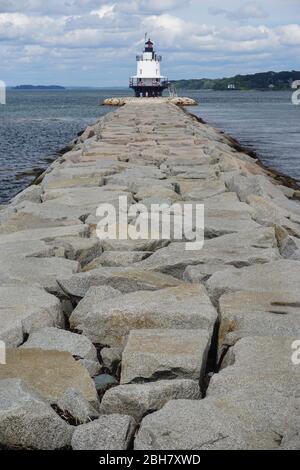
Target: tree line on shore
column 258, row 81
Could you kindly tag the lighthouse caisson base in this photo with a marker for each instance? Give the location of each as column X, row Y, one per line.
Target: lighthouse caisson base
column 148, row 91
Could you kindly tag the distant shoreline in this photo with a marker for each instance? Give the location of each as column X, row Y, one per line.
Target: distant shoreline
column 267, row 81
column 38, row 87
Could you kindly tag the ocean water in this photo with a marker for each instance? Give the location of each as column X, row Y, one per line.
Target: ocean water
column 35, row 125
column 265, row 122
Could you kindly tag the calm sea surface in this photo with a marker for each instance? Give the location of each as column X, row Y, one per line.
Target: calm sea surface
column 34, row 125
column 266, row 122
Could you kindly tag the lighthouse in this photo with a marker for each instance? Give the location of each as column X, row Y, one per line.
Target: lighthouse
column 148, row 82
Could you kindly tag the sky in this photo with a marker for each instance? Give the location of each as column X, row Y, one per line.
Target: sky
column 94, row 42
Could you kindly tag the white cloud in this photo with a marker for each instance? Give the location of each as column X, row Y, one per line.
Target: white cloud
column 290, row 34
column 105, row 10
column 103, row 36
column 247, row 11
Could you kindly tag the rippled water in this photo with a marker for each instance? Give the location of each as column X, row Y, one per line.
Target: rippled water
column 34, row 125
column 266, row 122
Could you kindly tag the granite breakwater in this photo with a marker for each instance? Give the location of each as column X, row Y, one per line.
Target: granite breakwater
column 117, row 344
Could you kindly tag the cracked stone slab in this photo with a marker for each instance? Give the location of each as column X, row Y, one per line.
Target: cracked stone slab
column 157, row 354
column 267, row 213
column 281, row 277
column 113, row 432
column 27, row 421
column 109, row 322
column 86, row 198
column 126, row 280
column 55, row 339
column 50, row 213
column 261, row 369
column 138, row 400
column 252, row 313
column 74, row 403
column 256, row 185
column 75, row 177
column 83, row 250
column 240, row 249
column 45, row 234
column 50, row 373
column 25, row 309
column 114, row 259
column 199, row 190
column 41, row 272
column 32, row 193
column 21, row 221
column 209, row 424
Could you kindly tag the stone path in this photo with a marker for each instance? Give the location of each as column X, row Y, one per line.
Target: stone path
column 120, row 343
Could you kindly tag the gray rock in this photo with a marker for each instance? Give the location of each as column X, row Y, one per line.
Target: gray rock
column 203, row 172
column 198, row 190
column 201, row 272
column 159, row 354
column 97, row 295
column 94, row 368
column 27, row 421
column 25, row 309
column 111, row 358
column 156, row 191
column 265, row 354
column 209, row 424
column 241, row 249
column 266, row 212
column 45, row 215
column 279, row 276
column 103, row 382
column 60, row 340
column 50, row 373
column 42, row 272
column 257, row 185
column 137, row 400
column 109, row 322
column 83, row 250
column 86, row 198
column 290, row 248
column 46, row 234
column 291, row 441
column 123, row 279
column 134, row 180
column 32, row 193
column 87, row 134
column 134, row 245
column 118, row 258
column 253, row 313
column 222, row 222
column 68, row 178
column 112, row 432
column 74, row 403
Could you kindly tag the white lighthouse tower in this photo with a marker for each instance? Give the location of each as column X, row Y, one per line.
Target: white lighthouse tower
column 148, row 81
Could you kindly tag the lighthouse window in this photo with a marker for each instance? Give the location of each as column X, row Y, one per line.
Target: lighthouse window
column 141, row 71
